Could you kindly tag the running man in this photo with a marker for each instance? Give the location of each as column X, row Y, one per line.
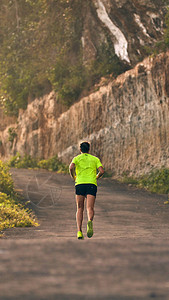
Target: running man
column 83, row 169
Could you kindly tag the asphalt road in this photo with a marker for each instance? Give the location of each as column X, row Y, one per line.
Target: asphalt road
column 126, row 259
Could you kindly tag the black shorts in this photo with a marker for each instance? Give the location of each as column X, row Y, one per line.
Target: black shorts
column 86, row 189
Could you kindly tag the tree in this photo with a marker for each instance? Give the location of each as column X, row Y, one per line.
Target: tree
column 34, row 36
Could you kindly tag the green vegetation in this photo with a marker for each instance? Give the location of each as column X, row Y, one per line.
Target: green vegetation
column 68, row 80
column 22, row 162
column 12, row 134
column 157, row 181
column 41, row 50
column 12, row 212
column 34, row 35
column 107, row 174
column 163, row 45
column 166, row 38
column 166, row 2
column 51, row 164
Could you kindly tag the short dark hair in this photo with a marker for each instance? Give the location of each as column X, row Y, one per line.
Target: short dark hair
column 84, row 147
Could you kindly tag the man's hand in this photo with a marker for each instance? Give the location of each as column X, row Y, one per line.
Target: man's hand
column 101, row 172
column 72, row 171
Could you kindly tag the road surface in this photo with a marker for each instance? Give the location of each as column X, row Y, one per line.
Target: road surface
column 126, row 259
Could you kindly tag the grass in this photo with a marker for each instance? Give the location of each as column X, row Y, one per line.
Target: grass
column 12, row 212
column 156, row 182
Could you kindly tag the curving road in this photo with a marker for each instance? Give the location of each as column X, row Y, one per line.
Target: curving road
column 127, row 258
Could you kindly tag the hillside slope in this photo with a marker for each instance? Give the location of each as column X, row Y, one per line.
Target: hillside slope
column 126, row 122
column 130, row 25
column 68, row 45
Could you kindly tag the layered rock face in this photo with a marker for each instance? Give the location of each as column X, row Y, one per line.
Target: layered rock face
column 126, row 121
column 129, row 25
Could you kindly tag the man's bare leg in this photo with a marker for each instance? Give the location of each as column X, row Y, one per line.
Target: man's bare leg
column 80, row 208
column 90, row 207
column 90, row 214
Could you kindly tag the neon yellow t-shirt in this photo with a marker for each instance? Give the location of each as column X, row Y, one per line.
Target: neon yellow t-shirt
column 86, row 166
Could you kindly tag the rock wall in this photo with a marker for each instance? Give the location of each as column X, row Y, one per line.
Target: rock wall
column 129, row 25
column 126, row 121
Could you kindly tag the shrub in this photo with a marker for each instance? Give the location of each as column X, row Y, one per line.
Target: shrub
column 166, row 38
column 14, row 160
column 130, row 180
column 12, row 134
column 68, row 80
column 22, row 162
column 44, row 52
column 107, row 174
column 156, row 181
column 6, row 182
column 27, row 162
column 52, row 164
column 13, row 214
column 29, row 50
column 107, row 62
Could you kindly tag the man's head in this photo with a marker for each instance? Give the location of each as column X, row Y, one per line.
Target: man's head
column 85, row 147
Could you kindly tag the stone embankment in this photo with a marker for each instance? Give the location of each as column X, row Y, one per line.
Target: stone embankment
column 126, row 121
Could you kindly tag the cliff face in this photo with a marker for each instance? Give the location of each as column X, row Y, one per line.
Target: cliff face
column 130, row 25
column 68, row 45
column 126, row 121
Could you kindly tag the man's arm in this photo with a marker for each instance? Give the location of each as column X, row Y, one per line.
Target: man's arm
column 101, row 172
column 72, row 171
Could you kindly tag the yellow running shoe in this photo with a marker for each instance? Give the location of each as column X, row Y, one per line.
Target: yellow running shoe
column 80, row 235
column 89, row 229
